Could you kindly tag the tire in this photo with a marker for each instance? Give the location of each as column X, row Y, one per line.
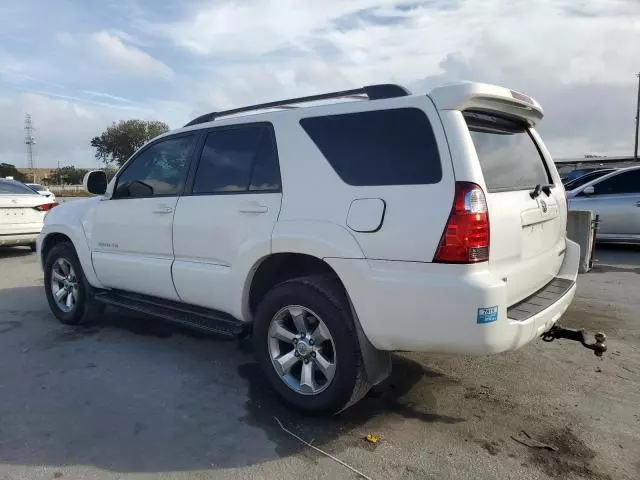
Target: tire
column 32, row 246
column 315, row 297
column 84, row 308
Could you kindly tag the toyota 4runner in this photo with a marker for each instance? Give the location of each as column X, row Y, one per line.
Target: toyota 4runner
column 371, row 221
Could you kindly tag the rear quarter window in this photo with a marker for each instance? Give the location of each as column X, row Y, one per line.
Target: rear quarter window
column 509, row 157
column 14, row 188
column 382, row 147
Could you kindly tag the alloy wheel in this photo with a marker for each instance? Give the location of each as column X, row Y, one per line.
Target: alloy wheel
column 302, row 350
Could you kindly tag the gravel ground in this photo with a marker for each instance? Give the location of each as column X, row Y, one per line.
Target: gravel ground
column 130, row 397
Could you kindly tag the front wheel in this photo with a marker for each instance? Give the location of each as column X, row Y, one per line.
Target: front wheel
column 66, row 288
column 305, row 339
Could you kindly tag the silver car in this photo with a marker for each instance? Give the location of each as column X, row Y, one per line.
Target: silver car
column 616, row 198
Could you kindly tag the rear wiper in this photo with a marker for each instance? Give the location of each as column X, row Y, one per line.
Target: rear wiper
column 535, row 193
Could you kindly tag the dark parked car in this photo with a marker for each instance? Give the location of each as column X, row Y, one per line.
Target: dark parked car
column 574, row 174
column 587, row 177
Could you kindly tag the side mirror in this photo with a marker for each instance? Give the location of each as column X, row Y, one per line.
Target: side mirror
column 589, row 190
column 95, row 182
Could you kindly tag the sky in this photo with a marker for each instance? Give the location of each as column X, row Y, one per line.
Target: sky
column 78, row 65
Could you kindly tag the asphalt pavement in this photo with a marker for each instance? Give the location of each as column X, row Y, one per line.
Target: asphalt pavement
column 130, row 397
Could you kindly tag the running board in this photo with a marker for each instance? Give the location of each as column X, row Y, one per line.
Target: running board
column 202, row 319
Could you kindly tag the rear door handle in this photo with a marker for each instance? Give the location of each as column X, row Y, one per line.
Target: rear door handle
column 637, row 204
column 163, row 209
column 253, row 208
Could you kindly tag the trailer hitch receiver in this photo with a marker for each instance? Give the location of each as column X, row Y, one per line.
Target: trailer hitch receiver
column 578, row 335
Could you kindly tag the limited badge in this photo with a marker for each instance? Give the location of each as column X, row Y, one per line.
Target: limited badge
column 487, row 314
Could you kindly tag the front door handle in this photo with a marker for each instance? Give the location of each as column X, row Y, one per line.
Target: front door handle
column 637, row 204
column 163, row 209
column 253, row 207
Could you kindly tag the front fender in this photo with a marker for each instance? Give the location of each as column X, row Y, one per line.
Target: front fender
column 74, row 220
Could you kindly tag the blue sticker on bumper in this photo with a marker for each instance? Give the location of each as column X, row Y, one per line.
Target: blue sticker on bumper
column 487, row 314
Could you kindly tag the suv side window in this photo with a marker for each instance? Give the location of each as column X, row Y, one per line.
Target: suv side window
column 159, row 170
column 625, row 182
column 382, row 147
column 238, row 159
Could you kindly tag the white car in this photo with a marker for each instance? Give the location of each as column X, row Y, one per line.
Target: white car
column 333, row 234
column 22, row 213
column 42, row 190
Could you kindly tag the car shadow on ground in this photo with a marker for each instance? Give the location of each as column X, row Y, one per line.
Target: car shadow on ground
column 13, row 252
column 133, row 394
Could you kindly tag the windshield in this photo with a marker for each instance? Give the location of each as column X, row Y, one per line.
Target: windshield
column 35, row 186
column 14, row 188
column 509, row 157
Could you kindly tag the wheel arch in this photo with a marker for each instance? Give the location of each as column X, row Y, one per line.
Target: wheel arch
column 276, row 268
column 52, row 235
column 50, row 241
column 280, row 267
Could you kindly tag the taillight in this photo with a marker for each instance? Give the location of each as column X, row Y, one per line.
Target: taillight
column 466, row 237
column 45, row 207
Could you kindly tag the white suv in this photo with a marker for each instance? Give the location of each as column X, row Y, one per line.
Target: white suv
column 333, row 234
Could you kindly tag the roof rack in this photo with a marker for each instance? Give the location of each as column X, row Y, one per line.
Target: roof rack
column 372, row 92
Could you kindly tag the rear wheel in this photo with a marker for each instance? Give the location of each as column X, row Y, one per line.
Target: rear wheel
column 66, row 288
column 306, row 342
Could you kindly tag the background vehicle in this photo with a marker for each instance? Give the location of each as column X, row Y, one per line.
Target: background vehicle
column 42, row 190
column 337, row 233
column 615, row 197
column 587, row 177
column 577, row 173
column 22, row 212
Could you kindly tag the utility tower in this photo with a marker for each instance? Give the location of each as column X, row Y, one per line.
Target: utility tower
column 30, row 141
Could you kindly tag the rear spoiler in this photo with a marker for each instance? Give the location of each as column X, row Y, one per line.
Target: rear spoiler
column 485, row 97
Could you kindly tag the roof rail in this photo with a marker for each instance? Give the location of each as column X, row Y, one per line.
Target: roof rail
column 373, row 92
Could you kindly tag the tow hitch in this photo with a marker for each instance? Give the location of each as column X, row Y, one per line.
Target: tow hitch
column 577, row 335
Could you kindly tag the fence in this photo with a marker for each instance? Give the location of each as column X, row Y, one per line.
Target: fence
column 63, row 190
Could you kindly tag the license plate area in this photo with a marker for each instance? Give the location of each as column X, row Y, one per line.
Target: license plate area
column 539, row 237
column 16, row 215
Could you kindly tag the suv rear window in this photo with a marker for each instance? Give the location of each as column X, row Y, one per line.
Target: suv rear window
column 509, row 157
column 382, row 147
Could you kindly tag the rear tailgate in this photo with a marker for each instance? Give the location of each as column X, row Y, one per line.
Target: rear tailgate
column 19, row 215
column 527, row 224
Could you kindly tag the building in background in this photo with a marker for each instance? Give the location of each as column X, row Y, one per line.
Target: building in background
column 40, row 174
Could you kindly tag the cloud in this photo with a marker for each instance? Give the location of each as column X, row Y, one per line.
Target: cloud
column 171, row 60
column 587, row 112
column 262, row 26
column 128, row 57
column 576, row 57
column 63, row 130
column 64, row 127
column 108, row 96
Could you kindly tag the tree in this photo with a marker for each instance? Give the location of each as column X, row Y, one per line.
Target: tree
column 9, row 170
column 69, row 175
column 120, row 140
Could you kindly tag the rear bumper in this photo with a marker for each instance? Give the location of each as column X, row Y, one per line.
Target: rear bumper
column 458, row 309
column 17, row 239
